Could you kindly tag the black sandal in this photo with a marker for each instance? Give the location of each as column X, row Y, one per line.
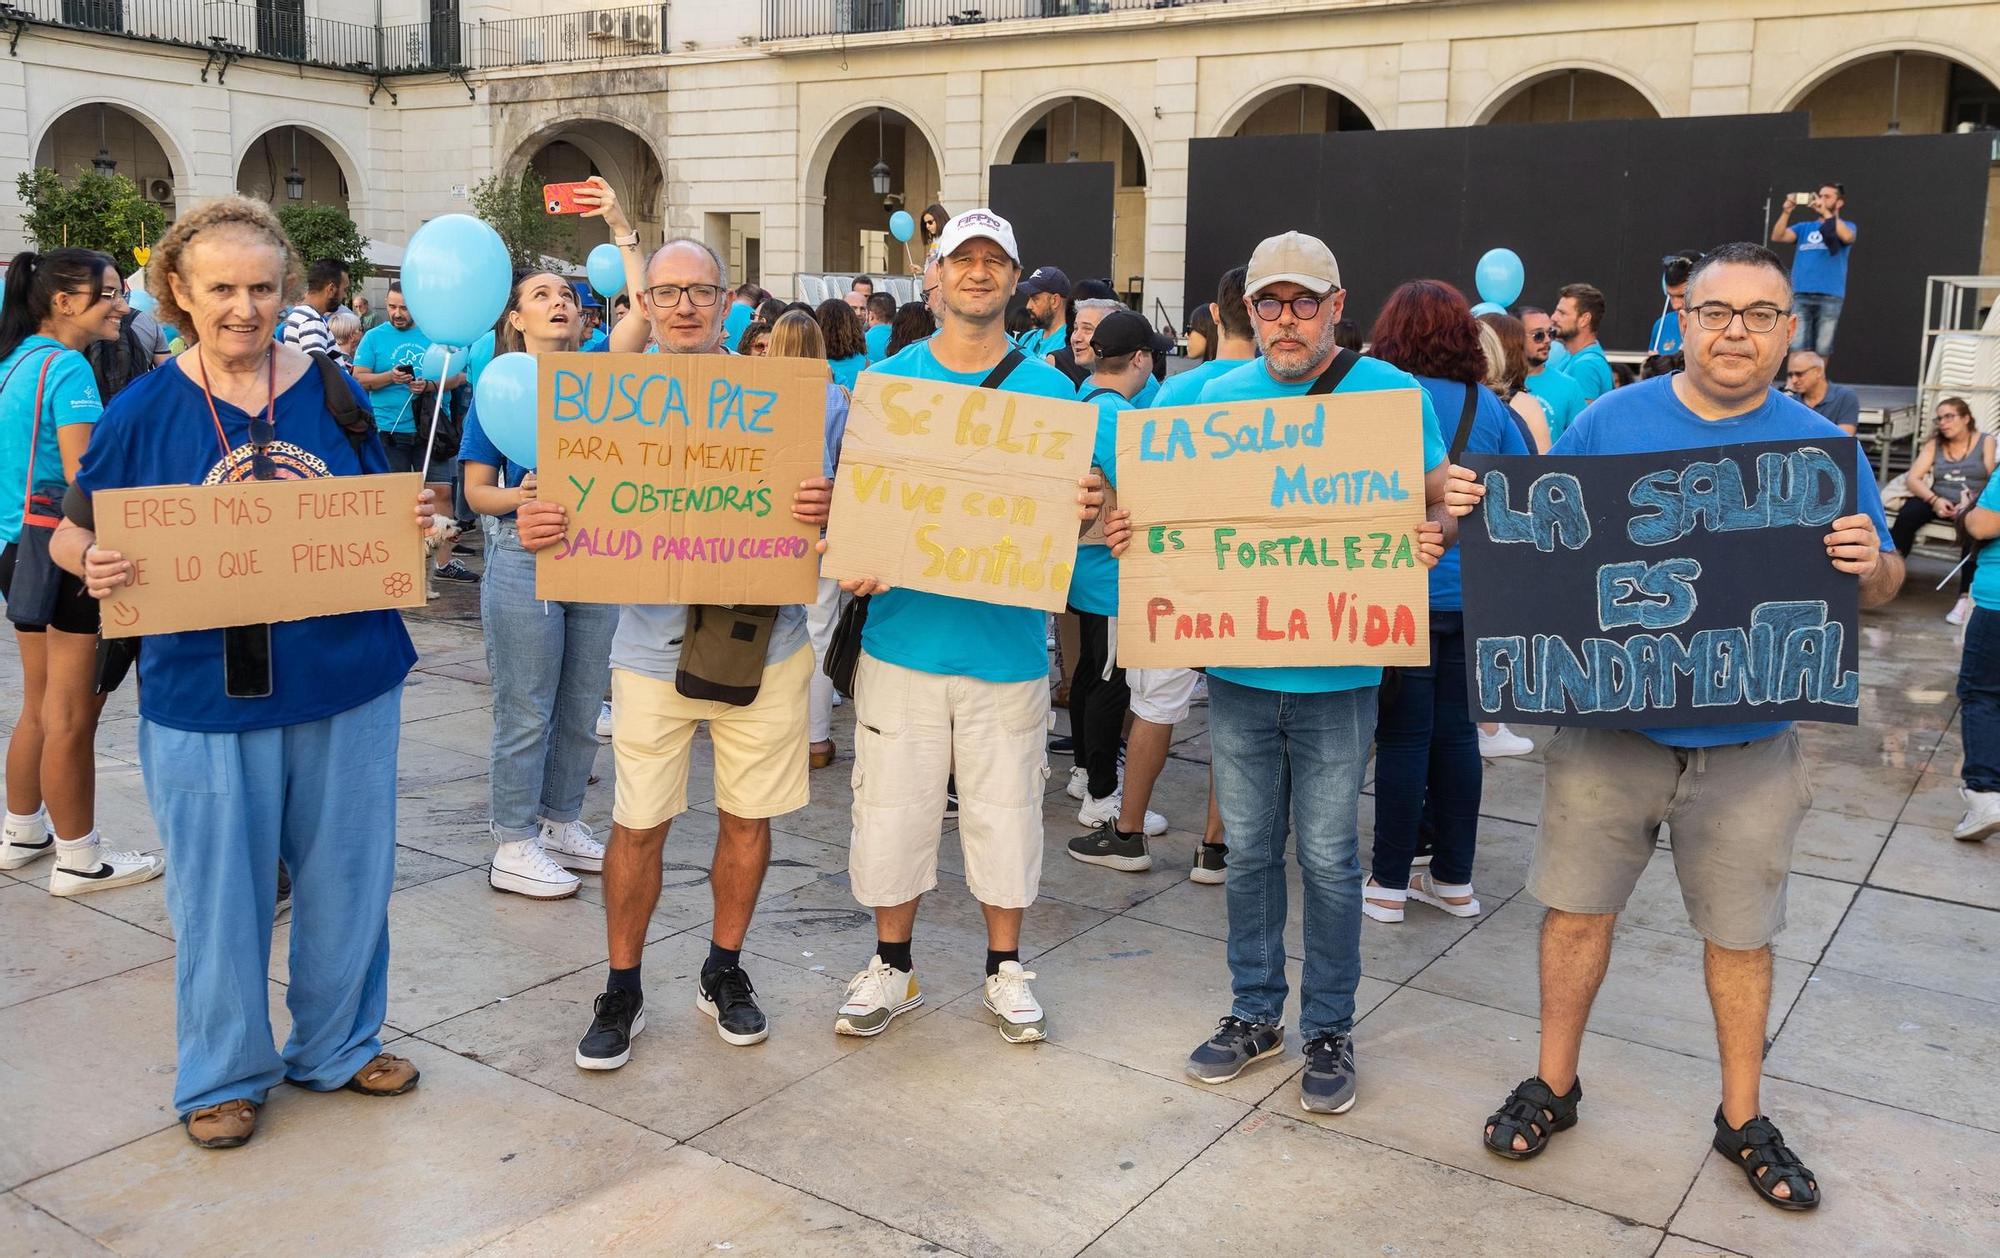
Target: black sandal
column 1534, row 1112
column 1758, row 1148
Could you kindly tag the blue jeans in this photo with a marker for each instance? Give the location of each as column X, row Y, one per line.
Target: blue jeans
column 1979, row 695
column 1819, row 315
column 322, row 796
column 551, row 663
column 1263, row 742
column 1427, row 764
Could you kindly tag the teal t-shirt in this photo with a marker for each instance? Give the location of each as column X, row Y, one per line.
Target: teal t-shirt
column 1986, row 581
column 69, row 396
column 1591, row 370
column 1038, row 344
column 734, row 322
column 1563, row 395
column 1184, row 389
column 1094, row 588
column 1250, row 382
column 382, row 348
column 477, row 358
column 935, row 633
column 845, row 370
column 878, row 342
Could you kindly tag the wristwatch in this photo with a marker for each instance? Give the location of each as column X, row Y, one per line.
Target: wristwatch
column 626, row 241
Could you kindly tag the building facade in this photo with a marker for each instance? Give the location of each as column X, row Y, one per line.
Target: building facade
column 760, row 125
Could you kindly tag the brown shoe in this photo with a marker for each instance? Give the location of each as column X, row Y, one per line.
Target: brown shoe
column 387, row 1075
column 221, row 1126
column 820, row 759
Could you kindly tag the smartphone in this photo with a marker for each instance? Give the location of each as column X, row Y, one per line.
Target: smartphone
column 1798, row 198
column 404, row 370
column 560, row 198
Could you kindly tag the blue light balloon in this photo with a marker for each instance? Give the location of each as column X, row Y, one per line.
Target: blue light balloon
column 140, row 299
column 1486, row 308
column 1500, row 276
column 507, row 397
column 606, row 269
column 902, row 226
column 438, row 360
column 456, row 276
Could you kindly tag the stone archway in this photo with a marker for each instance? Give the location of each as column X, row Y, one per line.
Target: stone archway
column 579, row 147
column 1083, row 128
column 1301, row 107
column 139, row 147
column 326, row 175
column 1573, row 93
column 839, row 190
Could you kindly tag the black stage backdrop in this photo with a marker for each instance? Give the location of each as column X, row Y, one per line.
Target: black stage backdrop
column 1061, row 212
column 1599, row 202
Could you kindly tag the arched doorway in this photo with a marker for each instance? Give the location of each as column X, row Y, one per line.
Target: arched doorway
column 881, row 163
column 580, row 148
column 1574, row 94
column 290, row 164
column 1299, row 109
column 1905, row 92
column 1079, row 129
column 104, row 136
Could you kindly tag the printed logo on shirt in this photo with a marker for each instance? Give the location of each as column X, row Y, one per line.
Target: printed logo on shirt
column 292, row 463
column 1811, row 239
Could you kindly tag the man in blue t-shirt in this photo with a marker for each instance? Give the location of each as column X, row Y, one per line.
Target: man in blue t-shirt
column 1546, row 380
column 951, row 685
column 385, row 364
column 1579, row 314
column 1819, row 266
column 1236, row 344
column 1047, row 294
column 1734, row 793
column 1298, row 731
column 880, row 315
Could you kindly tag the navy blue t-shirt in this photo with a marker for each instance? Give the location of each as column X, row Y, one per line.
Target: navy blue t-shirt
column 158, row 432
column 1496, row 429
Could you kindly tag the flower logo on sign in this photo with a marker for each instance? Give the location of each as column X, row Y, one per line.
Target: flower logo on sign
column 397, row 584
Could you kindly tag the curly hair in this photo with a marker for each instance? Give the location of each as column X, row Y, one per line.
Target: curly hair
column 842, row 329
column 1427, row 329
column 243, row 212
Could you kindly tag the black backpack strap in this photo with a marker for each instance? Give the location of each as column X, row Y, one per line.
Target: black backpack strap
column 999, row 374
column 1465, row 414
column 1094, row 394
column 356, row 423
column 1336, row 371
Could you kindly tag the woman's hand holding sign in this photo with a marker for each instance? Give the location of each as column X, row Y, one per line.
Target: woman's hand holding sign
column 1430, row 543
column 1854, row 545
column 104, row 571
column 541, row 524
column 1462, row 491
column 814, row 500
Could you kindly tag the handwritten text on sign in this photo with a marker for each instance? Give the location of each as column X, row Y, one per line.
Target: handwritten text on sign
column 1689, row 587
column 258, row 552
column 1270, row 533
column 679, row 472
column 960, row 491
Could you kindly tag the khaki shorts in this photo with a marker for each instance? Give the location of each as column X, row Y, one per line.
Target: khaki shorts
column 1161, row 695
column 1732, row 813
column 909, row 730
column 760, row 750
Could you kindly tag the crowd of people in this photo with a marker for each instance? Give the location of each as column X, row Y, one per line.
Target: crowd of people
column 269, row 751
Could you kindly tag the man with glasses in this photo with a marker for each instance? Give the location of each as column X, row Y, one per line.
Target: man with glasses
column 1805, row 379
column 1579, row 314
column 1564, row 395
column 760, row 749
column 1734, row 793
column 1289, row 744
column 1819, row 266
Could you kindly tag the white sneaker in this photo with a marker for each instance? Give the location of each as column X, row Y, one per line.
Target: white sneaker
column 26, row 841
column 525, row 869
column 1982, row 815
column 1960, row 612
column 1009, row 998
column 1079, row 783
column 573, row 845
column 1503, row 742
column 1096, row 812
column 604, row 721
column 874, row 997
column 111, row 868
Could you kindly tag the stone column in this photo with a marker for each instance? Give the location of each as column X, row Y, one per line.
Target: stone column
column 1720, row 76
column 15, row 155
column 1174, row 81
column 1423, row 84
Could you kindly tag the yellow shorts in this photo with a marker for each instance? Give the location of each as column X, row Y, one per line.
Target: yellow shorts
column 760, row 750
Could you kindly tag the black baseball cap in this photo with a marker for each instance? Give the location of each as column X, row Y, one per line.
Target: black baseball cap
column 1125, row 332
column 1046, row 279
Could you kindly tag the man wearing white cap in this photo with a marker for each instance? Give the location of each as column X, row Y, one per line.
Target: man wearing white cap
column 1289, row 744
column 946, row 682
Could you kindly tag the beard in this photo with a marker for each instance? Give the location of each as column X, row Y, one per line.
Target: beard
column 1316, row 357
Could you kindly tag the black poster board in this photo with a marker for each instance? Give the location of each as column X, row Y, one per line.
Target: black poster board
column 1062, row 215
column 1647, row 591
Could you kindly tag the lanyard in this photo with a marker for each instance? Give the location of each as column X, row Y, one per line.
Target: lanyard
column 270, row 403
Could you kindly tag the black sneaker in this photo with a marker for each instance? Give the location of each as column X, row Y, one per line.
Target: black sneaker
column 620, row 1016
column 726, row 995
column 1211, row 864
column 284, row 908
column 1327, row 1086
column 455, row 571
column 1234, row 1045
column 460, row 548
column 951, row 799
column 1062, row 745
column 1112, row 848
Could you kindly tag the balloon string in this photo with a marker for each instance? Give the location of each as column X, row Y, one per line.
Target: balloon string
column 444, row 374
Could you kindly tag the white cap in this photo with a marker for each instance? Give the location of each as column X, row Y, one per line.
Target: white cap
column 979, row 224
column 1296, row 257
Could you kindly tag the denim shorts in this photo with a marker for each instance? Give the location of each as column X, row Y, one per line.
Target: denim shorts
column 1732, row 813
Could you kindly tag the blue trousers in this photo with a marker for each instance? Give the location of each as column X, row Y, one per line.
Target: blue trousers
column 1979, row 697
column 1427, row 764
column 1819, row 315
column 551, row 664
column 322, row 795
column 1287, row 762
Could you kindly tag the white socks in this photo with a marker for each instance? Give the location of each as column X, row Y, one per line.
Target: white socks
column 77, row 853
column 32, row 828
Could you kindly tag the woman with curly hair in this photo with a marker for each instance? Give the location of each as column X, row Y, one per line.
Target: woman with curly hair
column 846, row 343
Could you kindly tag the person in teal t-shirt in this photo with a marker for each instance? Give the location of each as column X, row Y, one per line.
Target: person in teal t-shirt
column 880, row 314
column 1979, row 676
column 953, row 686
column 1047, row 293
column 1289, row 745
column 1235, row 344
column 1578, row 316
column 385, row 364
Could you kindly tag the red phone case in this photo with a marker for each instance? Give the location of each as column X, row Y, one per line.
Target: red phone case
column 560, row 198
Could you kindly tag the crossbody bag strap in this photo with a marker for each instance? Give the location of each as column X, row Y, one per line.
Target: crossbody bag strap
column 1466, row 413
column 999, row 374
column 1336, row 371
column 34, row 440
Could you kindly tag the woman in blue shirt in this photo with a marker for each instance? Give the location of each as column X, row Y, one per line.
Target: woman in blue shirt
column 846, row 346
column 56, row 305
column 267, row 742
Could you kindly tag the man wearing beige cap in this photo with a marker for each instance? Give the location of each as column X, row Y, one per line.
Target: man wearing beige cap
column 1289, row 744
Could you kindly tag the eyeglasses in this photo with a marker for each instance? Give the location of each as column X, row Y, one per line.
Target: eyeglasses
column 1539, row 334
column 1271, row 309
column 1715, row 316
column 1800, row 374
column 667, row 296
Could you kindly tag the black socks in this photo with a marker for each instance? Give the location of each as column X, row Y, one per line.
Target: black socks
column 993, row 959
column 721, row 958
column 624, row 981
column 895, row 955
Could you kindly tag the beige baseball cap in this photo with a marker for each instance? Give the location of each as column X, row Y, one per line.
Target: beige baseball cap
column 1295, row 257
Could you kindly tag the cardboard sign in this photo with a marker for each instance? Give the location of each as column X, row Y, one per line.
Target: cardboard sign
column 679, row 472
column 1645, row 591
column 960, row 491
column 259, row 552
column 1274, row 533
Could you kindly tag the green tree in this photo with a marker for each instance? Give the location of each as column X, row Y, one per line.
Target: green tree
column 92, row 211
column 324, row 231
column 512, row 205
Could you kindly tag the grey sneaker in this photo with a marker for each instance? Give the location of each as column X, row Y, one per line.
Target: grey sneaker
column 456, row 571
column 1234, row 1045
column 1327, row 1086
